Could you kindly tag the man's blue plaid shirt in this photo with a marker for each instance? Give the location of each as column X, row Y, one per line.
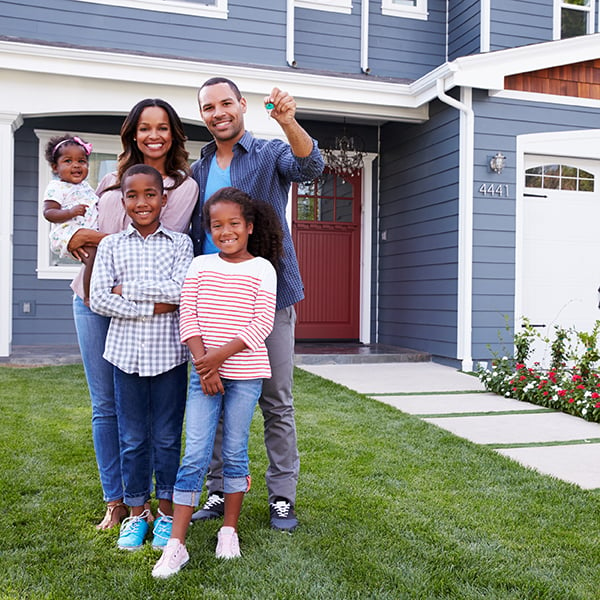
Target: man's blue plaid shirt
column 264, row 169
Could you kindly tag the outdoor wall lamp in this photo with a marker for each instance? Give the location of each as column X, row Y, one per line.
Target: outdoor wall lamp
column 497, row 162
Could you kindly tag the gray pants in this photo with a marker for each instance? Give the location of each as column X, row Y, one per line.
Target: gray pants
column 277, row 405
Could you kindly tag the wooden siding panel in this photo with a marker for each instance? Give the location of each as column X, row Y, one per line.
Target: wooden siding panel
column 418, row 215
column 580, row 80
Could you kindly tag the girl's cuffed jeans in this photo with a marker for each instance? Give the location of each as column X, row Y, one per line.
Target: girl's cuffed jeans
column 202, row 417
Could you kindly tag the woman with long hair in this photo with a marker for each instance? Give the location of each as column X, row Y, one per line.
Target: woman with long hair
column 152, row 134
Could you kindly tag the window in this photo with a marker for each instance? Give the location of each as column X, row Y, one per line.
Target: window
column 573, row 18
column 412, row 9
column 103, row 159
column 340, row 6
column 328, row 198
column 198, row 8
column 559, row 177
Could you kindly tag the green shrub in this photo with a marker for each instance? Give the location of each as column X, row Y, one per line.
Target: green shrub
column 570, row 384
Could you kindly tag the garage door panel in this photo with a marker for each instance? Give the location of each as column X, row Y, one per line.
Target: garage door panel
column 560, row 265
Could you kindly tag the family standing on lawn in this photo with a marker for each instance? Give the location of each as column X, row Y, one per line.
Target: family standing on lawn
column 232, row 307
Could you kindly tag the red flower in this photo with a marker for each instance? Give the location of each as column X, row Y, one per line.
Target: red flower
column 595, row 395
column 576, row 377
column 581, row 387
column 522, row 377
column 571, row 400
column 597, row 405
column 519, row 366
column 564, row 393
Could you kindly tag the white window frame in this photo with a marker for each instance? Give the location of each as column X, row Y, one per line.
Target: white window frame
column 419, row 11
column 218, row 11
column 557, row 20
column 102, row 143
column 338, row 6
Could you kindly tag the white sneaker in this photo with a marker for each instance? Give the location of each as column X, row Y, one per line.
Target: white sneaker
column 173, row 559
column 228, row 544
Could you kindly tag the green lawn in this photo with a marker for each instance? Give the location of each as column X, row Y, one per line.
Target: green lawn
column 390, row 507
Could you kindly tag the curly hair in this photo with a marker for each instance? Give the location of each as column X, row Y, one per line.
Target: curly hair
column 51, row 151
column 266, row 239
column 176, row 164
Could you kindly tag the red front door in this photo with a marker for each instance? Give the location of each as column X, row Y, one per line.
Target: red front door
column 326, row 231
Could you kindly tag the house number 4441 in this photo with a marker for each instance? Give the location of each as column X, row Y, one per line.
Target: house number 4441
column 490, row 189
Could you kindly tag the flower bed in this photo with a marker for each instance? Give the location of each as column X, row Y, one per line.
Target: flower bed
column 570, row 384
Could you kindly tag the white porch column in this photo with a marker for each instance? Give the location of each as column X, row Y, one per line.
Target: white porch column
column 9, row 123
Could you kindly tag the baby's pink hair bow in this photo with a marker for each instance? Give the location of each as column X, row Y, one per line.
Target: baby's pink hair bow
column 86, row 147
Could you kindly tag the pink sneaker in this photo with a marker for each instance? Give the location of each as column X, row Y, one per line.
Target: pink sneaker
column 228, row 544
column 173, row 559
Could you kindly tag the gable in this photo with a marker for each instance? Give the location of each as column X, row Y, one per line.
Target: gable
column 580, row 80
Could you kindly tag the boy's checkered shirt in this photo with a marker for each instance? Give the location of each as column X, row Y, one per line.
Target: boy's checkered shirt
column 151, row 270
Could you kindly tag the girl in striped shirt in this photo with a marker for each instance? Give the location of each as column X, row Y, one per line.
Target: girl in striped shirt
column 226, row 312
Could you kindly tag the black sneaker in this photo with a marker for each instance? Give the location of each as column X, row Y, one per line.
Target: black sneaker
column 283, row 516
column 214, row 508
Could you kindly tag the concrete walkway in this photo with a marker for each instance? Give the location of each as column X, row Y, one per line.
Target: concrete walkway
column 551, row 442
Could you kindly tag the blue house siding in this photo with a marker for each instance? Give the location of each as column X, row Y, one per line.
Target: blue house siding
column 512, row 26
column 253, row 33
column 418, row 223
column 498, row 123
column 464, row 28
column 327, row 40
column 406, row 48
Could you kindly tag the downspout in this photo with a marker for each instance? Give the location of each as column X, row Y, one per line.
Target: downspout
column 289, row 34
column 464, row 336
column 364, row 37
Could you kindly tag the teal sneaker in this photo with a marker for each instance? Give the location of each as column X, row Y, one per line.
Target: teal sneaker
column 133, row 532
column 162, row 531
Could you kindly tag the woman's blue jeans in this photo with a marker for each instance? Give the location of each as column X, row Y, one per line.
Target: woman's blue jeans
column 202, row 417
column 91, row 334
column 150, row 416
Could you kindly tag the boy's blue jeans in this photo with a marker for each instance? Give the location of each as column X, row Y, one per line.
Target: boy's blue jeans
column 91, row 335
column 150, row 417
column 202, row 417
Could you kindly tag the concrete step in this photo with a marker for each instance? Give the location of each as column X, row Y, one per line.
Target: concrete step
column 317, row 353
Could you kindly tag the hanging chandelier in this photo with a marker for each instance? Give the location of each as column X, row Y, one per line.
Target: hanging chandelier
column 345, row 158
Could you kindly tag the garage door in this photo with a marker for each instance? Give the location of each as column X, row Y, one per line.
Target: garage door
column 560, row 271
